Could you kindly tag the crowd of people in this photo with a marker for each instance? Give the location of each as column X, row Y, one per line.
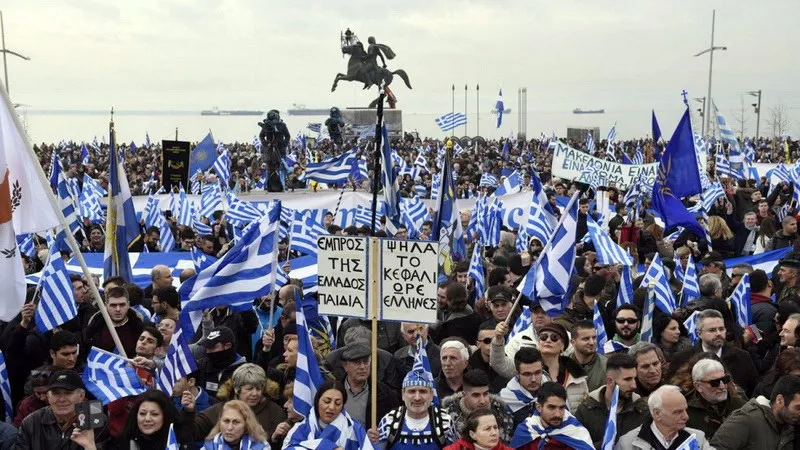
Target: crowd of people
column 548, row 386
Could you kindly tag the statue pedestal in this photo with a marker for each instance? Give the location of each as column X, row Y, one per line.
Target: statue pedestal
column 363, row 118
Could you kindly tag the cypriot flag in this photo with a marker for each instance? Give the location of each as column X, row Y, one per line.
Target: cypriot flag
column 12, row 274
column 32, row 212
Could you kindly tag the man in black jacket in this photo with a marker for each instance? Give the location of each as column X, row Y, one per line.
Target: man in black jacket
column 356, row 363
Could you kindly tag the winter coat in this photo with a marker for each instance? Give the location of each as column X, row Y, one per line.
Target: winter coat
column 595, row 371
column 753, row 427
column 593, row 414
column 268, row 414
column 780, row 240
column 737, row 361
column 640, row 438
column 706, row 417
column 574, row 383
column 454, row 406
column 40, row 431
column 461, row 444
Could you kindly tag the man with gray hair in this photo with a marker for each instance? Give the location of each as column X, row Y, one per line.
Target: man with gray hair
column 649, row 375
column 666, row 429
column 710, row 402
column 455, row 358
column 390, row 371
column 711, row 330
column 710, row 287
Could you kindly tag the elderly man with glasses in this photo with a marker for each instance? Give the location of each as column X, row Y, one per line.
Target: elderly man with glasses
column 712, row 400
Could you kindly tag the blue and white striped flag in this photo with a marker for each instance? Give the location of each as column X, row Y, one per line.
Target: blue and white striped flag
column 121, row 225
column 388, row 180
column 540, row 223
column 740, row 301
column 602, row 336
column 305, row 231
column 201, row 228
column 691, row 289
column 222, row 167
column 25, row 245
column 67, row 204
column 423, row 365
column 333, row 170
column 172, row 439
column 590, row 146
column 690, row 443
column 57, row 299
column 488, row 180
column 245, row 272
column 664, row 299
column 201, row 260
column 723, row 165
column 304, row 269
column 647, row 314
column 185, row 209
column 84, row 154
column 522, row 323
column 178, row 363
column 625, row 294
column 612, row 135
column 416, row 211
column 450, row 121
column 638, row 157
column 166, row 240
column 709, row 197
column 240, row 213
column 511, row 185
column 476, row 272
column 608, row 252
column 610, row 433
column 5, row 389
column 570, row 433
column 691, row 328
column 210, row 200
column 195, row 186
column 554, row 268
column 307, row 375
column 110, row 377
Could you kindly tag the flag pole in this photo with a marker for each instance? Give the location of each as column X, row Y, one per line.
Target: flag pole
column 60, row 214
column 542, row 253
column 376, row 177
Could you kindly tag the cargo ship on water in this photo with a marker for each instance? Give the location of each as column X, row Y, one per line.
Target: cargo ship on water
column 301, row 110
column 230, row 112
column 588, row 111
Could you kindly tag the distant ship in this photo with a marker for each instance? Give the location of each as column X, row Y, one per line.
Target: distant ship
column 301, row 110
column 588, row 111
column 232, row 112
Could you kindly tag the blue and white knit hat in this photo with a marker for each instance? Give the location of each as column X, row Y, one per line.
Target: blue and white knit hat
column 418, row 378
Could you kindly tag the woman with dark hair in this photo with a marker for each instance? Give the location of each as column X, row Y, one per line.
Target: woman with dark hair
column 671, row 336
column 766, row 231
column 480, row 432
column 327, row 425
column 147, row 427
column 788, row 363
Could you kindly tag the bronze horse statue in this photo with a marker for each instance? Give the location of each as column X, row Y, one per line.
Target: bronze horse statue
column 369, row 74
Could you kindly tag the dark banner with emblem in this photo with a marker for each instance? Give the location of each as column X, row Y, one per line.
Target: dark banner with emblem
column 175, row 155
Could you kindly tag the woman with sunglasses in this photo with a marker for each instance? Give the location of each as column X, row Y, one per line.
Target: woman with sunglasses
column 553, row 341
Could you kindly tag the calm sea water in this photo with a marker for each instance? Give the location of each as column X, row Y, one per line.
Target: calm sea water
column 54, row 126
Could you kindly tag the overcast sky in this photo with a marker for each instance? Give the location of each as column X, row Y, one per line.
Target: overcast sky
column 625, row 56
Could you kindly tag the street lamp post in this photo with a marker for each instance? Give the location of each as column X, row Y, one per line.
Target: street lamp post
column 6, row 51
column 710, row 51
column 757, row 107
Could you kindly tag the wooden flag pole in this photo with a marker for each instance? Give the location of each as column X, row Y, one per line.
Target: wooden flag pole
column 374, row 258
column 73, row 245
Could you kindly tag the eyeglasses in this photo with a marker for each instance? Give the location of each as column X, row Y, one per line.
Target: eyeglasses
column 487, row 340
column 549, row 337
column 715, row 382
column 628, row 321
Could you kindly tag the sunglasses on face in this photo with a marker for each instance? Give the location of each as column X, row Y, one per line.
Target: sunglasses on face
column 549, row 337
column 715, row 382
column 628, row 321
column 487, row 340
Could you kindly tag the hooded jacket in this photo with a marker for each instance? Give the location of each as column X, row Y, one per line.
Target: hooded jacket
column 593, row 414
column 753, row 427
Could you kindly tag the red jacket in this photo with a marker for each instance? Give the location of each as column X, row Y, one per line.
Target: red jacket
column 461, row 444
column 552, row 444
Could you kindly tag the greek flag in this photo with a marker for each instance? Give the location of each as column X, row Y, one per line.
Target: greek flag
column 608, row 252
column 241, row 213
column 740, row 301
column 709, row 197
column 178, row 363
column 84, row 154
column 511, row 185
column 662, row 291
column 287, row 217
column 110, row 377
column 723, row 165
column 691, row 327
column 416, row 211
column 488, row 180
column 612, row 135
column 185, row 209
column 422, row 163
column 554, row 268
column 201, row 228
column 314, row 127
column 388, row 179
column 610, row 434
column 121, row 225
column 222, row 167
column 67, row 205
column 307, row 375
column 423, row 364
column 523, row 322
column 201, row 260
column 172, row 439
column 540, row 223
column 245, row 272
column 25, row 245
column 625, row 294
column 725, row 132
column 304, row 269
column 647, row 315
column 5, row 388
column 590, row 143
column 55, row 170
column 195, row 188
column 57, row 299
column 363, row 216
column 333, row 170
column 305, row 231
column 635, row 191
column 210, row 200
column 166, row 241
column 476, row 271
column 691, row 289
column 602, row 336
column 570, row 432
column 451, row 121
column 638, row 157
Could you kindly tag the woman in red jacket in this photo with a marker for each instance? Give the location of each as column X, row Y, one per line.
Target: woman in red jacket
column 480, row 433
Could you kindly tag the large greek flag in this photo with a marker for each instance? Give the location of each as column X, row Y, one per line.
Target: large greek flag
column 178, row 363
column 450, row 121
column 333, row 170
column 57, row 299
column 222, row 167
column 305, row 231
column 110, row 377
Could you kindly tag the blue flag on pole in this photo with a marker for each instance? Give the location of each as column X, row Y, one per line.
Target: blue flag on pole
column 204, row 155
column 307, row 375
column 656, row 128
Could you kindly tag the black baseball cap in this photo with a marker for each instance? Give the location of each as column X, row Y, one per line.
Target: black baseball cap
column 220, row 335
column 65, row 379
